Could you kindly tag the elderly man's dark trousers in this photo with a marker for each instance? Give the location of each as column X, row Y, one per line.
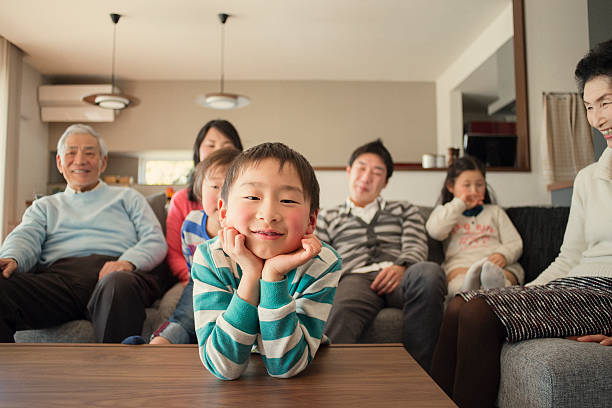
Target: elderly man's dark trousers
column 69, row 290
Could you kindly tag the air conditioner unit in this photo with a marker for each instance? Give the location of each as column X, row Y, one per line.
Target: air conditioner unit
column 64, row 103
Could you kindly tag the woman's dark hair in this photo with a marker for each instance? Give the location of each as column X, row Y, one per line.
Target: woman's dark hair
column 598, row 62
column 459, row 166
column 378, row 148
column 222, row 126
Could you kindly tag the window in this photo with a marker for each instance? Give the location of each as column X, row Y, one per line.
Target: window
column 164, row 171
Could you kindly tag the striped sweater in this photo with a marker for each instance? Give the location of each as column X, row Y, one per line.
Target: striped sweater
column 395, row 234
column 287, row 326
column 193, row 233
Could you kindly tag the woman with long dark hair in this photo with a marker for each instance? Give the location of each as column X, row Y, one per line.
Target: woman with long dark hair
column 214, row 135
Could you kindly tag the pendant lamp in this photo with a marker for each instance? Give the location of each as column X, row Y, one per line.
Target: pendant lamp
column 222, row 100
column 113, row 100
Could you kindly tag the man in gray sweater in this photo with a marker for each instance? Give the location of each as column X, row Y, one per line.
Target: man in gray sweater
column 383, row 246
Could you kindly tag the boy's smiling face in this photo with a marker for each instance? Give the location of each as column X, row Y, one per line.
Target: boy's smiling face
column 267, row 205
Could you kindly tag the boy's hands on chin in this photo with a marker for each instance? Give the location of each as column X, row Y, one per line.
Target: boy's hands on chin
column 233, row 243
column 277, row 267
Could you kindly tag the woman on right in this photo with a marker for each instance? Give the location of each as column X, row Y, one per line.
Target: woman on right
column 571, row 298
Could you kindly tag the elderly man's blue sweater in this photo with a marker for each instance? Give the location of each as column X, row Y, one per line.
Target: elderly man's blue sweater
column 107, row 220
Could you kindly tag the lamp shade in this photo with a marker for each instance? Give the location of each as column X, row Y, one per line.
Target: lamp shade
column 111, row 100
column 222, row 100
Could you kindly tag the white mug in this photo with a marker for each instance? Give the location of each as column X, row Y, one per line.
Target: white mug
column 440, row 161
column 429, row 161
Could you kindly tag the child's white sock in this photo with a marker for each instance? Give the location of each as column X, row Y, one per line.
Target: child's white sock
column 492, row 276
column 471, row 281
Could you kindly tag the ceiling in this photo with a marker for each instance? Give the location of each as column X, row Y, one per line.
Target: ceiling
column 371, row 40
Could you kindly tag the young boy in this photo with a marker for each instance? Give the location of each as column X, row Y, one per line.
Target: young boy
column 198, row 227
column 266, row 279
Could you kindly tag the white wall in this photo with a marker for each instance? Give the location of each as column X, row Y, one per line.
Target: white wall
column 556, row 33
column 423, row 187
column 324, row 120
column 448, row 101
column 556, row 37
column 418, row 187
column 33, row 158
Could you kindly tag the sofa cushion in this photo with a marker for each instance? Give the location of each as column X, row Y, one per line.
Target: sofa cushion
column 74, row 331
column 435, row 252
column 385, row 328
column 542, row 230
column 81, row 331
column 158, row 204
column 547, row 373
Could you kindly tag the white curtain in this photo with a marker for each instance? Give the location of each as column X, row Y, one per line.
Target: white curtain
column 10, row 89
column 568, row 146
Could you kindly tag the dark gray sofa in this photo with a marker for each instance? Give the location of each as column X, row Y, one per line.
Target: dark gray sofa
column 542, row 373
column 551, row 372
column 542, row 230
column 536, row 373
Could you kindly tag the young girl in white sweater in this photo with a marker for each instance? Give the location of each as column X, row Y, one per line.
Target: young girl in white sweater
column 481, row 245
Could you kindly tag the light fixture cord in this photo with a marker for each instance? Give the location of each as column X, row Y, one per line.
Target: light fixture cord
column 222, row 54
column 113, row 61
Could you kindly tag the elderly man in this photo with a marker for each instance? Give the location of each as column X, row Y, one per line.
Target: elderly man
column 383, row 246
column 87, row 252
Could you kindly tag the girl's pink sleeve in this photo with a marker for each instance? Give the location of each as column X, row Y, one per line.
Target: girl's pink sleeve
column 179, row 207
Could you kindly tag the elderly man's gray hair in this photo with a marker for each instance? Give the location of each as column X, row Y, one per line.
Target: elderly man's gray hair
column 80, row 128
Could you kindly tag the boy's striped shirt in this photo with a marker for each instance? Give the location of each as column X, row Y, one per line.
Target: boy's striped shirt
column 287, row 326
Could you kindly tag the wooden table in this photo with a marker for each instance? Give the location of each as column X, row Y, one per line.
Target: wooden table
column 97, row 375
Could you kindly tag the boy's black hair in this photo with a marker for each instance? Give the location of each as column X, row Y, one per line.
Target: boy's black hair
column 598, row 62
column 378, row 148
column 454, row 170
column 222, row 126
column 283, row 154
column 221, row 157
